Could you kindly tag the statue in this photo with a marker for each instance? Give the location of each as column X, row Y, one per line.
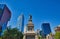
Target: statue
column 30, row 17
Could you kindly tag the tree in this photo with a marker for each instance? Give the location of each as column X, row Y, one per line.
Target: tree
column 12, row 34
column 57, row 35
column 38, row 37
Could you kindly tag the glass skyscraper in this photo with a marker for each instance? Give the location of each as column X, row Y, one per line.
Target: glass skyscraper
column 46, row 28
column 20, row 23
column 5, row 16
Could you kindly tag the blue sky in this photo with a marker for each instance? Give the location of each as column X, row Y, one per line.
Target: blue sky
column 41, row 10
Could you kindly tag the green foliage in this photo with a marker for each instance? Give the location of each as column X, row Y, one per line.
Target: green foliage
column 0, row 37
column 12, row 34
column 57, row 35
column 38, row 37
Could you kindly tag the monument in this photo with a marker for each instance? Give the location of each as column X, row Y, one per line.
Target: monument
column 30, row 33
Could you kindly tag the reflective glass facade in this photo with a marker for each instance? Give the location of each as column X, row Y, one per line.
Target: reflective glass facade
column 20, row 23
column 5, row 16
column 46, row 28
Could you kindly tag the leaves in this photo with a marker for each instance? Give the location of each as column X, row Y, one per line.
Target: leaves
column 12, row 34
column 57, row 35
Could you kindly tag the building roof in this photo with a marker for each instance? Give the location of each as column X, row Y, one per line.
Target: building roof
column 58, row 25
column 57, row 28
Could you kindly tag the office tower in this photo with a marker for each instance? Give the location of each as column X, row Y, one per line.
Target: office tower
column 5, row 15
column 38, row 31
column 20, row 23
column 46, row 29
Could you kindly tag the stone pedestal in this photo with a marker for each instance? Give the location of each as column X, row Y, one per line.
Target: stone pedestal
column 31, row 36
column 30, row 33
